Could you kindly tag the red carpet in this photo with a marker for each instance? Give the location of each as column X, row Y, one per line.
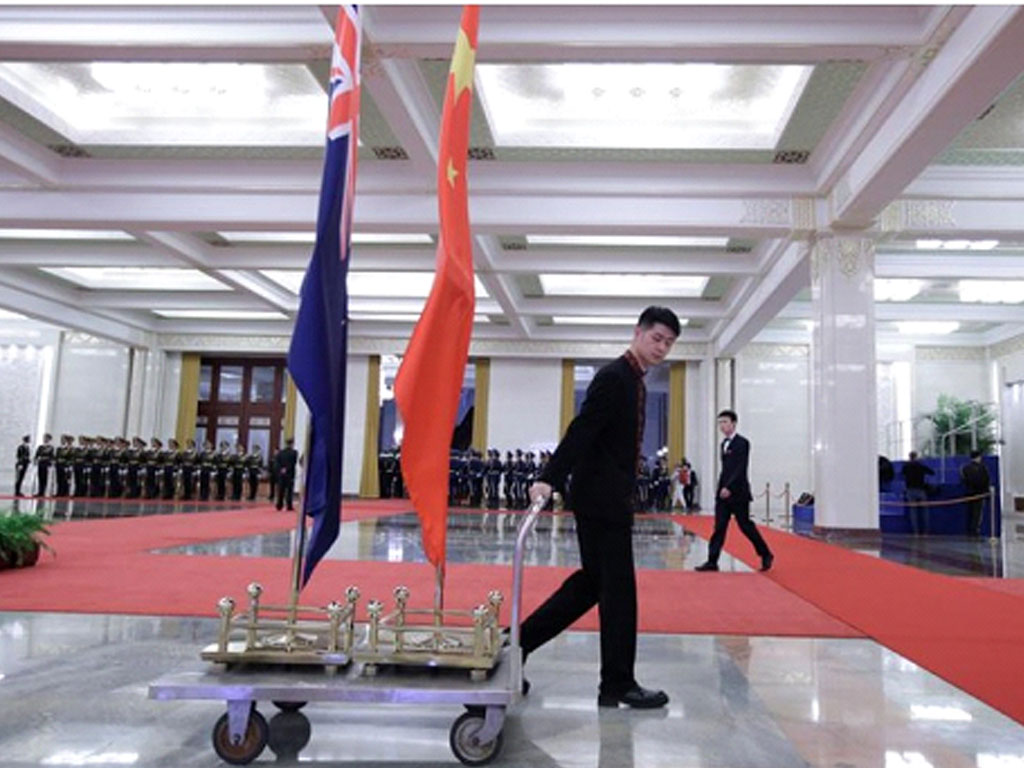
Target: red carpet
column 104, row 566
column 967, row 634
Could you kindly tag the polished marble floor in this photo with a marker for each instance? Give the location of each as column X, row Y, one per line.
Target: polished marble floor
column 73, row 691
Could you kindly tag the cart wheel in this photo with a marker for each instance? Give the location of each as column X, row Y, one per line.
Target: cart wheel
column 289, row 706
column 248, row 749
column 464, row 743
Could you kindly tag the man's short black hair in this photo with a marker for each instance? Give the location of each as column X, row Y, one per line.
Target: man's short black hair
column 729, row 414
column 975, row 454
column 662, row 315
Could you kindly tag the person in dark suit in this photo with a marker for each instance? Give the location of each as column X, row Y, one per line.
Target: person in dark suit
column 733, row 497
column 284, row 471
column 22, row 461
column 601, row 450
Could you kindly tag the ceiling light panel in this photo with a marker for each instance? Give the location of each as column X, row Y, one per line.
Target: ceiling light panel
column 629, row 241
column 218, row 314
column 621, row 320
column 669, row 286
column 138, row 278
column 358, row 238
column 395, row 285
column 171, row 103
column 991, row 291
column 64, row 234
column 896, row 289
column 956, row 245
column 638, row 106
column 401, row 317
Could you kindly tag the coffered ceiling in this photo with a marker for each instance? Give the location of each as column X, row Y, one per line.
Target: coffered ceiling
column 159, row 168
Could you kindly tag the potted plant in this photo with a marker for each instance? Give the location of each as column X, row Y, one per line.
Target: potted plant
column 21, row 538
column 955, row 421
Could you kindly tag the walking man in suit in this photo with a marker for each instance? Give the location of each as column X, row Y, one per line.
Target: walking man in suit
column 601, row 451
column 733, row 497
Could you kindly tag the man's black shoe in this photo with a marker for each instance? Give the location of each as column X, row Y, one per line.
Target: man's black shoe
column 708, row 566
column 526, row 686
column 636, row 697
column 766, row 562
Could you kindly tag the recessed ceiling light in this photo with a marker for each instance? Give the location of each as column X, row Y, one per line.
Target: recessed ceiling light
column 172, row 102
column 358, row 238
column 895, row 289
column 956, row 245
column 628, row 241
column 927, row 327
column 401, row 317
column 397, row 285
column 138, row 278
column 6, row 314
column 64, row 234
column 219, row 314
column 600, row 320
column 649, row 105
column 991, row 291
column 674, row 286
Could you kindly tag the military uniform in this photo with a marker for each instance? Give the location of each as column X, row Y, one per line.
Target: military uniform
column 236, row 462
column 22, row 460
column 284, row 469
column 44, row 460
column 253, row 468
column 207, row 464
column 169, row 459
column 223, row 466
column 62, row 466
column 151, row 461
column 188, row 468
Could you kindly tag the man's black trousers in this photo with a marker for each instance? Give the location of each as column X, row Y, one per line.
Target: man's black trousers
column 606, row 579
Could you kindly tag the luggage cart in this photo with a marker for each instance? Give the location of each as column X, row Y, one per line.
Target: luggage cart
column 242, row 732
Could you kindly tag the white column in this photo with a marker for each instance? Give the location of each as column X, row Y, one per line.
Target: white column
column 844, row 435
column 707, row 467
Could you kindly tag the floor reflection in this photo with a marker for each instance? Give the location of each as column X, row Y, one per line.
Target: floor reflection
column 91, row 509
column 484, row 537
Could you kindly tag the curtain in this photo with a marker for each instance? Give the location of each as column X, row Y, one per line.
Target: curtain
column 188, row 398
column 676, row 412
column 369, row 481
column 568, row 409
column 483, row 394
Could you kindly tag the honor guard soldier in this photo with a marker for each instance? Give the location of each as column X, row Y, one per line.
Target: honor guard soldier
column 97, row 469
column 222, row 462
column 271, row 477
column 62, row 465
column 253, row 468
column 206, row 467
column 169, row 458
column 189, row 458
column 133, row 464
column 237, row 465
column 79, row 470
column 492, row 478
column 44, row 460
column 118, row 462
column 476, row 479
column 22, row 460
column 151, row 461
column 506, row 474
column 284, row 468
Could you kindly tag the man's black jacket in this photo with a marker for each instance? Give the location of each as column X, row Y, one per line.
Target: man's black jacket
column 599, row 449
column 735, row 463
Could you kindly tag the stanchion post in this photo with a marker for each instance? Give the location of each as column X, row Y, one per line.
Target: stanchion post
column 767, row 503
column 788, row 508
column 992, row 513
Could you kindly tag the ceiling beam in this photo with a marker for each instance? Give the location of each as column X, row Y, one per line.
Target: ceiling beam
column 789, row 273
column 980, row 59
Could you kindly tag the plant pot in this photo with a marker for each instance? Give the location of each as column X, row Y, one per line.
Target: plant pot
column 30, row 557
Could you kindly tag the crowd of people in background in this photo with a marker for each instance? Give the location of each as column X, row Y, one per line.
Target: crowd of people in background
column 114, row 467
column 492, row 481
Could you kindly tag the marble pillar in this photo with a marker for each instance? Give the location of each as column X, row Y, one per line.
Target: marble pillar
column 844, row 437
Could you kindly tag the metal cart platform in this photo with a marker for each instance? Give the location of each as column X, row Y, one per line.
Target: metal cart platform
column 240, row 734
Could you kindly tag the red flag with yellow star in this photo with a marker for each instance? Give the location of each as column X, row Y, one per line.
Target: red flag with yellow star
column 429, row 382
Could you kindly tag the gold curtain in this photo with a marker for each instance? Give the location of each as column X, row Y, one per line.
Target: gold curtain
column 568, row 409
column 676, row 412
column 369, row 481
column 188, row 398
column 481, row 403
column 290, row 405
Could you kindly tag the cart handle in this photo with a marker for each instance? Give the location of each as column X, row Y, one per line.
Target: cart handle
column 525, row 527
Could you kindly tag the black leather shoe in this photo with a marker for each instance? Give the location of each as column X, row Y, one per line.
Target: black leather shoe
column 708, row 566
column 766, row 562
column 526, row 686
column 636, row 697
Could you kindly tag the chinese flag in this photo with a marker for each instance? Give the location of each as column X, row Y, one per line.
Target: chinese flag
column 429, row 382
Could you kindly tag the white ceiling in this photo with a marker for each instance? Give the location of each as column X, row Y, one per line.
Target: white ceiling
column 681, row 155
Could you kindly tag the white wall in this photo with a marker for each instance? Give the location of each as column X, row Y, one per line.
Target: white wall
column 958, row 371
column 525, row 404
column 92, row 387
column 356, row 375
column 1010, row 367
column 27, row 353
column 773, row 397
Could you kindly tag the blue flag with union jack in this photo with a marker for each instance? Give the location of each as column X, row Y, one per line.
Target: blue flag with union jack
column 319, row 345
